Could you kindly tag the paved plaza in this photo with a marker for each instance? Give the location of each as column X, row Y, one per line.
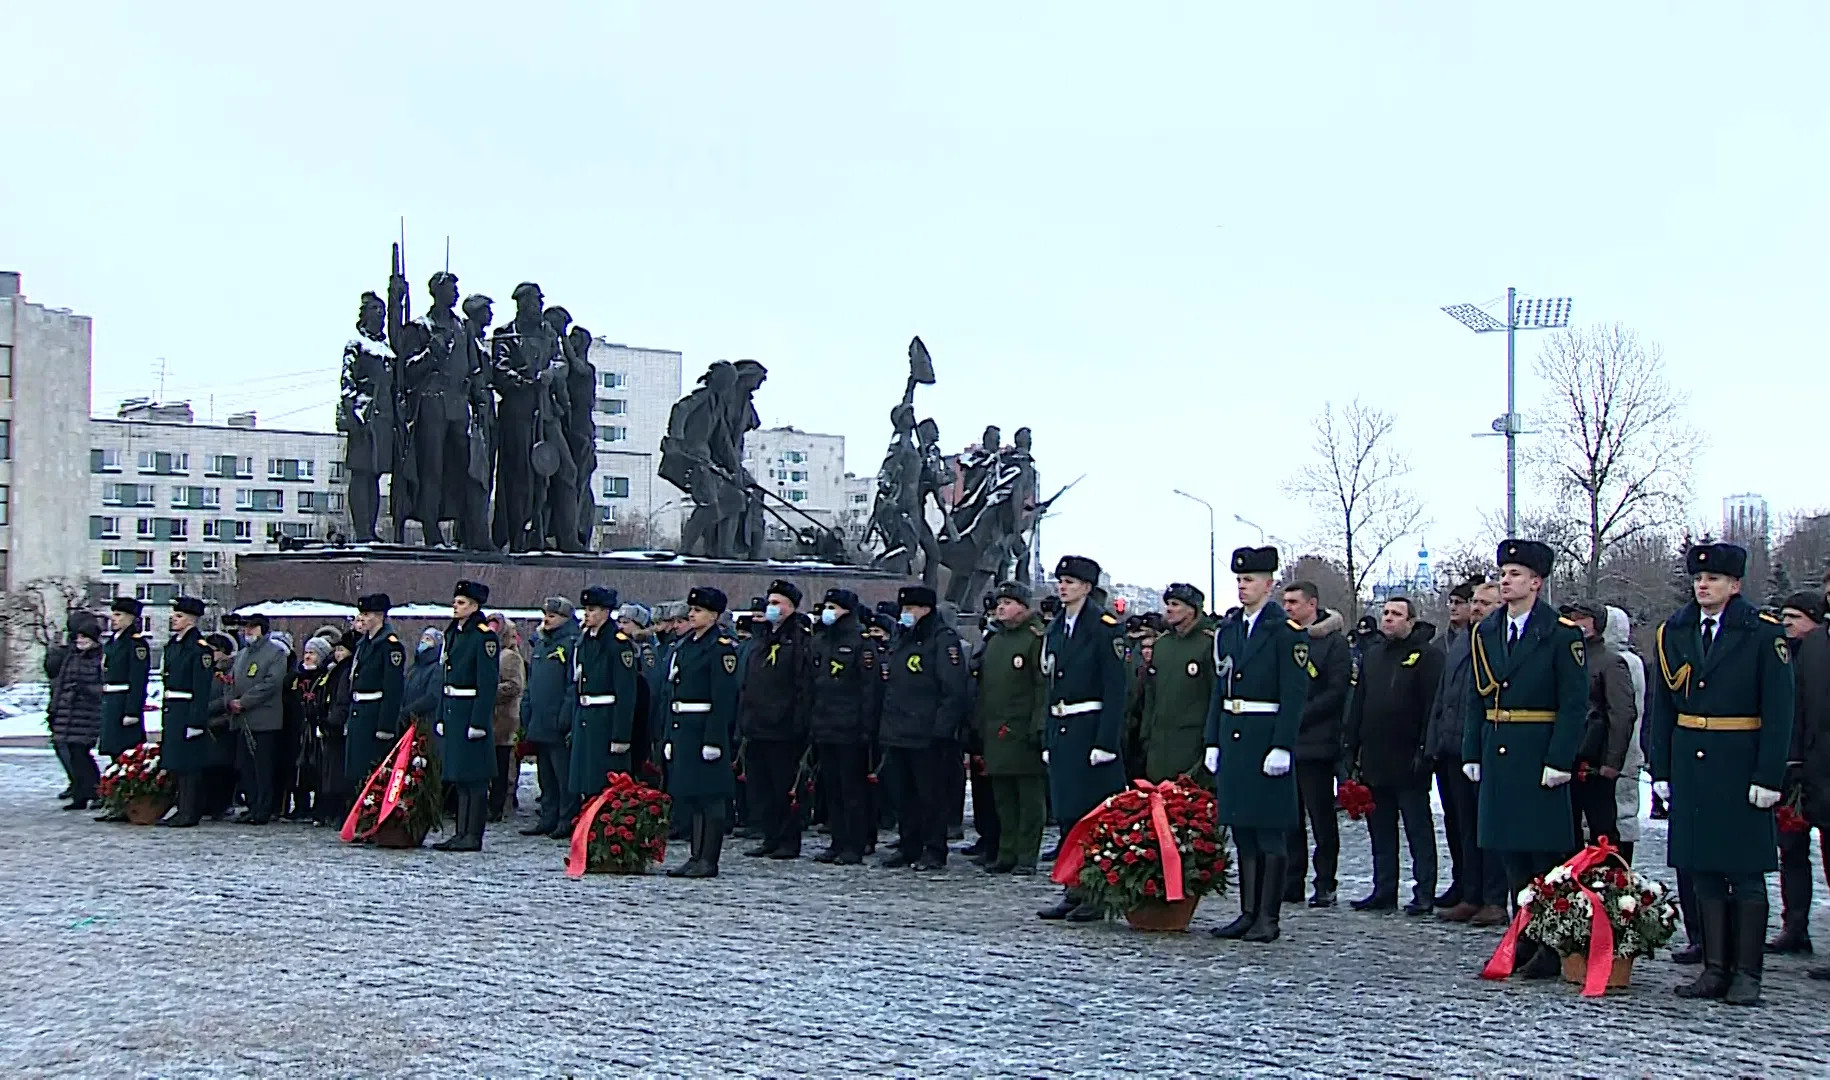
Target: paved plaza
column 279, row 952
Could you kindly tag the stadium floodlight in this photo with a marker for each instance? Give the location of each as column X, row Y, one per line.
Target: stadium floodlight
column 1474, row 318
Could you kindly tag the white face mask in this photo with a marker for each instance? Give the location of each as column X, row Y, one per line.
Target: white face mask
column 828, row 617
column 773, row 613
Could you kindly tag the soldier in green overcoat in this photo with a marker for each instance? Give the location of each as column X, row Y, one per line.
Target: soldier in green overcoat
column 184, row 743
column 604, row 677
column 1011, row 708
column 701, row 718
column 377, row 688
column 1525, row 713
column 466, row 716
column 1261, row 680
column 1179, row 687
column 126, row 663
column 1722, row 715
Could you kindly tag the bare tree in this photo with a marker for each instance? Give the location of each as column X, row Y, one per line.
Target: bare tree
column 1616, row 450
column 33, row 614
column 1804, row 548
column 1356, row 486
column 1329, row 580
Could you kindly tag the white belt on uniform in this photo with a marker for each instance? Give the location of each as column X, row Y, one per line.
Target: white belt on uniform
column 1063, row 708
column 691, row 706
column 115, row 688
column 460, row 691
column 177, row 695
column 1237, row 706
column 597, row 699
column 368, row 695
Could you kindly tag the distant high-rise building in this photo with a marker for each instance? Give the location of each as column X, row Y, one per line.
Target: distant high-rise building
column 1744, row 520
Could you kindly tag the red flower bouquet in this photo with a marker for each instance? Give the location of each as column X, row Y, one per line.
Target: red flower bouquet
column 136, row 786
column 1790, row 815
column 1355, row 798
column 402, row 800
column 622, row 830
column 1593, row 910
column 1149, row 846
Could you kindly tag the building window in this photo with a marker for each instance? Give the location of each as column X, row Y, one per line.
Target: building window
column 797, row 457
column 262, row 500
column 143, row 529
column 336, row 502
column 613, row 380
column 229, row 466
column 127, row 494
column 612, row 434
column 212, row 530
column 104, row 461
column 6, row 498
column 104, row 528
column 163, row 464
column 616, row 487
column 158, row 593
column 336, row 472
column 612, row 406
column 319, row 502
column 6, row 440
column 798, row 476
column 207, row 561
column 118, row 561
column 6, row 371
column 196, row 498
column 860, row 500
column 289, row 469
column 244, row 532
column 797, row 495
column 180, row 562
column 168, row 529
column 295, row 530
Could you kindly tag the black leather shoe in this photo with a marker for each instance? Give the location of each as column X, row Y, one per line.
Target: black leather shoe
column 1236, row 929
column 699, row 870
column 828, row 856
column 1059, row 909
column 80, row 804
column 537, row 829
column 1418, row 907
column 1000, row 866
column 928, row 862
column 848, row 858
column 1793, row 939
column 1323, row 899
column 896, row 861
column 1293, row 894
column 1689, row 954
column 1449, row 897
column 1375, row 902
column 1023, row 870
column 760, row 851
column 785, row 853
column 1085, row 913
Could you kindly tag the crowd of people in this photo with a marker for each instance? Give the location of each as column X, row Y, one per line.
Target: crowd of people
column 1534, row 724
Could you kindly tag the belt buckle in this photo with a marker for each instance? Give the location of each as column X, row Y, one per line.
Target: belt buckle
column 1234, row 706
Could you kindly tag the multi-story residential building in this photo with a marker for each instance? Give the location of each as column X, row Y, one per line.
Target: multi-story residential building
column 636, row 391
column 859, row 496
column 1744, row 520
column 803, row 469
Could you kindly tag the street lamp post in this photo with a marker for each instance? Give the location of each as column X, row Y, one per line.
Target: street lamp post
column 1252, row 525
column 1548, row 314
column 1213, row 573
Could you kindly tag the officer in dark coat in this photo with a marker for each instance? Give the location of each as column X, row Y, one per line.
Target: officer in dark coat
column 604, row 677
column 466, row 716
column 378, row 683
column 126, row 662
column 701, row 722
column 924, row 706
column 550, row 701
column 184, row 745
column 1526, row 711
column 1722, row 716
column 772, row 718
column 1084, row 659
column 1261, row 682
column 842, row 720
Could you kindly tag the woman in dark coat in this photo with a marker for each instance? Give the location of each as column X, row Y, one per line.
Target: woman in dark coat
column 75, row 712
column 219, row 774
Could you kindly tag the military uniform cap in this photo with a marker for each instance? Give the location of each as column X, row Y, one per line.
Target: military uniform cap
column 472, row 590
column 1531, row 554
column 188, row 605
column 126, row 605
column 706, row 598
column 1016, row 590
column 845, row 598
column 916, row 596
column 1078, row 567
column 598, row 596
column 1186, row 593
column 1730, row 559
column 220, row 642
column 788, row 589
column 1808, row 604
column 374, row 603
column 557, row 605
column 525, row 287
column 1251, row 560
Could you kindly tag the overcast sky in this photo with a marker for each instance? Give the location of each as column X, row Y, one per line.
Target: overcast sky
column 1161, row 235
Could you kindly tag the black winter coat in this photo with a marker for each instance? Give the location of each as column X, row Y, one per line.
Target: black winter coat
column 778, row 667
column 1331, row 668
column 1811, row 730
column 1390, row 712
column 75, row 714
column 842, row 697
column 925, row 688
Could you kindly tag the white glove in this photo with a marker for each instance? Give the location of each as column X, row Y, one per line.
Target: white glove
column 129, row 721
column 619, row 748
column 192, row 732
column 1045, row 757
column 439, row 730
column 1762, row 798
column 476, row 733
column 667, row 751
column 1212, row 759
column 1472, row 770
column 390, row 734
column 1662, row 788
column 1100, row 757
column 1553, row 778
column 710, row 753
column 1277, row 762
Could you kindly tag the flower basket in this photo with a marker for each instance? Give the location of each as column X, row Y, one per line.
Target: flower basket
column 1355, row 798
column 1151, row 844
column 1576, row 970
column 1158, row 915
column 401, row 801
column 1594, row 909
column 136, row 786
column 622, row 830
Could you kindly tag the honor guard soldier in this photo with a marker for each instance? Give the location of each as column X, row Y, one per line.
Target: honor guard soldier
column 702, row 714
column 1524, row 723
column 1179, row 686
column 126, row 662
column 603, row 675
column 377, row 687
column 1261, row 680
column 466, row 716
column 1084, row 659
column 1722, row 715
column 184, row 744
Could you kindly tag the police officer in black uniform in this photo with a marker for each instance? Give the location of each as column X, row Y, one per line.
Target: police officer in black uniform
column 842, row 720
column 772, row 719
column 925, row 692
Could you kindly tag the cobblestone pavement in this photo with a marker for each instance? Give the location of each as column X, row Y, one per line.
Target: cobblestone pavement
column 273, row 952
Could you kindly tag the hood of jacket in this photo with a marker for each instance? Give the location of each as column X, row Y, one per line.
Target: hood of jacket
column 1615, row 634
column 1330, row 622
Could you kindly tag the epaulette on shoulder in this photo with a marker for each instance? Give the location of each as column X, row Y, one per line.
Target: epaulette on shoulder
column 722, row 640
column 393, row 639
column 1108, row 619
column 1564, row 619
column 620, row 636
column 1294, row 625
column 1038, row 629
column 1767, row 616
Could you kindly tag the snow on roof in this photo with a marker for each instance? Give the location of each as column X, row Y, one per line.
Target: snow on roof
column 326, row 609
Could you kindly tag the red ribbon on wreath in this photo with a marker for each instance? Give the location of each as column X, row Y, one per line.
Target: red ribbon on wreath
column 395, row 765
column 1601, row 931
column 581, row 829
column 1073, row 846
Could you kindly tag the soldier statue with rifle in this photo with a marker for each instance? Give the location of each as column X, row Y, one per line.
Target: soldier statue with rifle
column 365, row 414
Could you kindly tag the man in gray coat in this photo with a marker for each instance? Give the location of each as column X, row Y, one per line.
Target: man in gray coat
column 257, row 712
column 1477, row 894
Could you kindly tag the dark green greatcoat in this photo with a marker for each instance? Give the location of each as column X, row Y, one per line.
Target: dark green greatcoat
column 1179, row 688
column 702, row 671
column 604, row 668
column 1013, row 700
column 1270, row 665
column 126, row 663
column 377, row 686
column 1085, row 667
column 1547, row 671
column 469, row 703
column 188, row 680
column 1747, row 673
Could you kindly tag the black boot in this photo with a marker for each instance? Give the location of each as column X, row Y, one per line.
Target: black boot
column 1750, row 953
column 467, row 829
column 711, row 845
column 190, row 803
column 1250, row 874
column 1271, row 887
column 1717, row 925
column 695, row 833
column 1795, row 910
column 1060, row 908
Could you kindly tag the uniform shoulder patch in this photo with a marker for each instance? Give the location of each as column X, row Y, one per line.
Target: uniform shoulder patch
column 1107, row 618
column 730, row 664
column 1576, row 651
column 396, row 657
column 1785, row 654
column 1300, row 653
column 489, row 646
column 1770, row 617
column 140, row 653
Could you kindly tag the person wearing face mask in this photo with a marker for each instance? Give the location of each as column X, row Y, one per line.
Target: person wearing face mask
column 772, row 719
column 842, row 719
column 425, row 682
column 701, row 722
column 603, row 677
column 924, row 704
column 1722, row 721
